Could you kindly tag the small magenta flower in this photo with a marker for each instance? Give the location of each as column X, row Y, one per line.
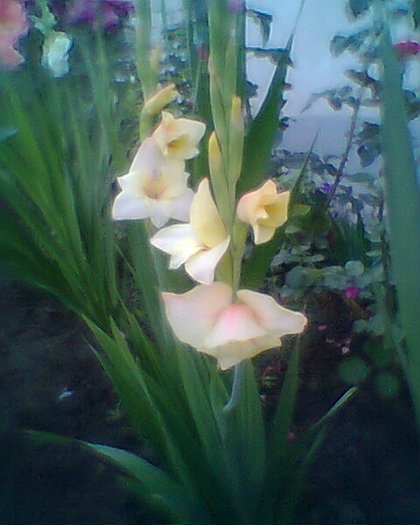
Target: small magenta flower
column 13, row 25
column 208, row 319
column 200, row 244
column 407, row 49
column 154, row 187
column 352, row 292
column 265, row 210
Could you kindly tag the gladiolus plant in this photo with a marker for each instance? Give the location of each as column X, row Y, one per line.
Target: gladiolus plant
column 153, row 255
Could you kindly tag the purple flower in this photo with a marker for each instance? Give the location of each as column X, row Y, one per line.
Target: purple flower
column 104, row 12
column 352, row 292
column 326, row 187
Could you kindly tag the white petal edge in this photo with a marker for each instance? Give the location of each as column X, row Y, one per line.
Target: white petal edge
column 127, row 207
column 179, row 241
column 202, row 265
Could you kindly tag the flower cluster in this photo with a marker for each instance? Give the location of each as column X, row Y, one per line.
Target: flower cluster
column 13, row 25
column 214, row 317
column 102, row 13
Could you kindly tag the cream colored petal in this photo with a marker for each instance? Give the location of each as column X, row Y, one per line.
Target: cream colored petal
column 173, row 180
column 179, row 241
column 132, row 183
column 277, row 210
column 178, row 138
column 233, row 353
column 202, row 265
column 273, row 317
column 249, row 205
column 159, row 211
column 127, row 207
column 182, row 205
column 205, row 218
column 262, row 233
column 193, row 314
column 148, row 157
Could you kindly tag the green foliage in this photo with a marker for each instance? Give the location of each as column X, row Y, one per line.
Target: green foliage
column 402, row 195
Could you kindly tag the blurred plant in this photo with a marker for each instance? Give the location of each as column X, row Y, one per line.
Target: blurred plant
column 13, row 26
column 364, row 46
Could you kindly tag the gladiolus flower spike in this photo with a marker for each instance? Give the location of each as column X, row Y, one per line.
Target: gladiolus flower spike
column 207, row 319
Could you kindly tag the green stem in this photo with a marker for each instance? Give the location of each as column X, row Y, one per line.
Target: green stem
column 237, row 387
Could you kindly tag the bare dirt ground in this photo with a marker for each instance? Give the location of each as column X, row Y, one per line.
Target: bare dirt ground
column 367, row 471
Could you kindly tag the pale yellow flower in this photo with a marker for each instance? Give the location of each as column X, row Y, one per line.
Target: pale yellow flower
column 207, row 319
column 265, row 210
column 178, row 138
column 201, row 243
column 154, row 187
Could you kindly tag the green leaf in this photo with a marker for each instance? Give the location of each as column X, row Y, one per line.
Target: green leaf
column 244, row 438
column 283, row 417
column 7, row 132
column 263, row 128
column 152, row 484
column 157, row 487
column 403, row 203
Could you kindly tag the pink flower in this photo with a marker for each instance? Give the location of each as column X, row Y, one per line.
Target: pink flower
column 13, row 25
column 407, row 48
column 352, row 292
column 210, row 320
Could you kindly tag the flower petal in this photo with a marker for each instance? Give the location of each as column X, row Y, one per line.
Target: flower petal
column 273, row 317
column 182, row 205
column 128, row 207
column 193, row 314
column 233, row 353
column 265, row 210
column 178, row 138
column 159, row 211
column 202, row 265
column 276, row 210
column 205, row 218
column 179, row 241
column 262, row 233
column 148, row 156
